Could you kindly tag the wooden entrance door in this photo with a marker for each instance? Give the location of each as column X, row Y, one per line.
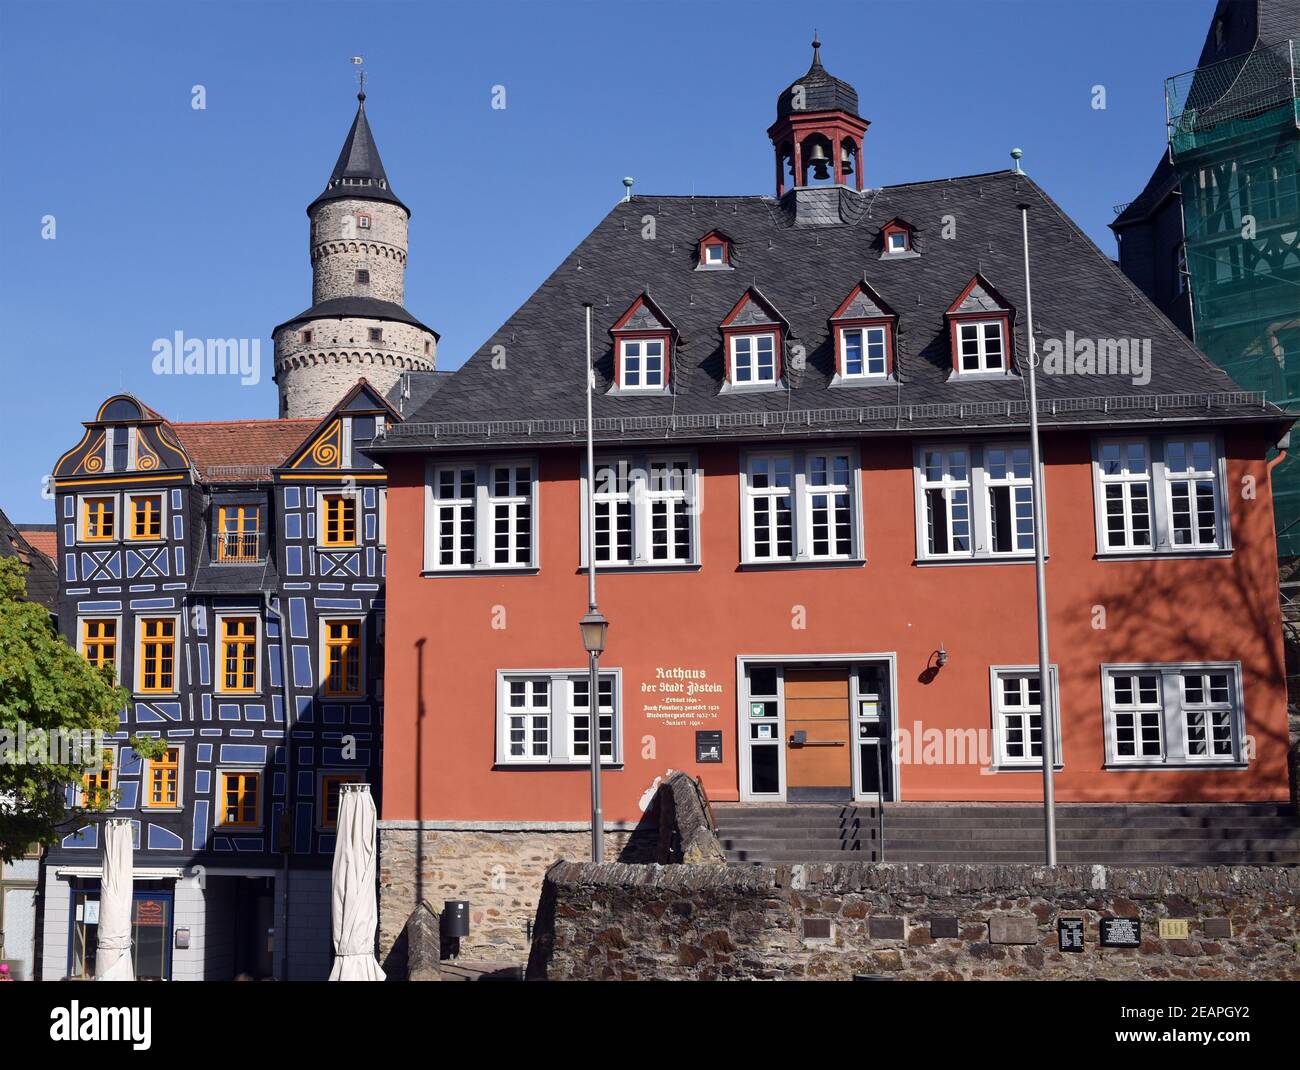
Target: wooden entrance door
column 818, row 763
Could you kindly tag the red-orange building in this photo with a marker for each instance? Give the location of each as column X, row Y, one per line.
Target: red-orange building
column 813, row 526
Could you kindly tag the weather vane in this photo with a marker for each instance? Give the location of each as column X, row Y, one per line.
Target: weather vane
column 357, row 61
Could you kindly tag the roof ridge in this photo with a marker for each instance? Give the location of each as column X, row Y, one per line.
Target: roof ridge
column 277, row 420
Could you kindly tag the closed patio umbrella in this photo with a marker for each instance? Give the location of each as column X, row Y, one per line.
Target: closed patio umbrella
column 116, row 887
column 352, row 902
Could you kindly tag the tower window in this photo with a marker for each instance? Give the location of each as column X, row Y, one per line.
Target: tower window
column 363, row 222
column 306, row 338
column 376, row 334
column 426, row 347
column 363, row 277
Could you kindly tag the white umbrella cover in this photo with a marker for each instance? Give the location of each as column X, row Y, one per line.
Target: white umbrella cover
column 113, row 948
column 352, row 902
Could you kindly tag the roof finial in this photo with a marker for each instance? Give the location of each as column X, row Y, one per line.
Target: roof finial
column 357, row 61
column 817, row 50
column 1016, row 154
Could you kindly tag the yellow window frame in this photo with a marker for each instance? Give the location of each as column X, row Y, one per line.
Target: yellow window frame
column 343, row 657
column 238, row 653
column 98, row 782
column 241, row 799
column 157, row 656
column 149, row 518
column 329, row 796
column 163, row 781
column 241, row 521
column 99, row 641
column 338, row 520
column 99, row 518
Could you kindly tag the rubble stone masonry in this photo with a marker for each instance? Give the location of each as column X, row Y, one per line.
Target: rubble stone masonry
column 918, row 922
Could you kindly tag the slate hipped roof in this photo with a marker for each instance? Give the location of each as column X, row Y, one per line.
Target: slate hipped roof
column 42, row 579
column 353, row 307
column 359, row 173
column 805, row 271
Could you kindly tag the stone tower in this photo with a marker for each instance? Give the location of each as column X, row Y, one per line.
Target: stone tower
column 357, row 325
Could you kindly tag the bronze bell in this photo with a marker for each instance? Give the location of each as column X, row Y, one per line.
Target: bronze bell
column 846, row 161
column 819, row 161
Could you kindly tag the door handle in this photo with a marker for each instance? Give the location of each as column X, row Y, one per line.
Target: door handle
column 817, row 742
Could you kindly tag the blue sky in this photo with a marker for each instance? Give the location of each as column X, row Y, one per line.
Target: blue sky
column 175, row 219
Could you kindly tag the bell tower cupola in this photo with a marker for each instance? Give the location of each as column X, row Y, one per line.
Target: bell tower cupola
column 818, row 132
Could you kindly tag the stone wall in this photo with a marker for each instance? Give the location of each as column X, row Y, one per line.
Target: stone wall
column 339, row 247
column 499, row 870
column 936, row 922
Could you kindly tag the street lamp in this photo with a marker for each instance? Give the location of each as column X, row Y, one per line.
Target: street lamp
column 593, row 627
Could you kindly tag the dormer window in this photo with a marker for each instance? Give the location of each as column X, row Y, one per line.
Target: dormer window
column 714, row 251
column 896, row 237
column 980, row 346
column 753, row 358
column 641, row 363
column 863, row 327
column 979, row 323
column 644, row 338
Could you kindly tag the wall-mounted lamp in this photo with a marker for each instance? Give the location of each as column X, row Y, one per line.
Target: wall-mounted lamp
column 941, row 659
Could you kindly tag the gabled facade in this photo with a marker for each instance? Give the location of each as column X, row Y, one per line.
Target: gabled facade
column 818, row 593
column 232, row 576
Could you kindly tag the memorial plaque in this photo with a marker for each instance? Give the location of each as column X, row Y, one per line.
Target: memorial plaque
column 1174, row 929
column 1121, row 932
column 708, row 746
column 1069, row 934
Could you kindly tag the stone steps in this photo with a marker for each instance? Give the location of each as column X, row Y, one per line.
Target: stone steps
column 1180, row 834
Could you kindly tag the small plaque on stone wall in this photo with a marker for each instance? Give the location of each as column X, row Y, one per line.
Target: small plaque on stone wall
column 1121, row 932
column 1069, row 934
column 1013, row 929
column 708, row 746
column 1173, row 928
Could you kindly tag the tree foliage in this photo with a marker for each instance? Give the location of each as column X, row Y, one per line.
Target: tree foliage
column 46, row 689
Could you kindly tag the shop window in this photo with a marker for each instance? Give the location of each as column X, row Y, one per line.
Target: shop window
column 151, row 929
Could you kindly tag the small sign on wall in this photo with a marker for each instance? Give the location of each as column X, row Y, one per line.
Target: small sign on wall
column 708, row 746
column 1173, row 929
column 1069, row 934
column 1121, row 932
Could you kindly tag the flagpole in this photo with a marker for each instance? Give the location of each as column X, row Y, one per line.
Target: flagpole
column 593, row 637
column 1046, row 695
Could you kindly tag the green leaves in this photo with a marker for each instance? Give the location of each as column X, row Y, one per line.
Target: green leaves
column 51, row 704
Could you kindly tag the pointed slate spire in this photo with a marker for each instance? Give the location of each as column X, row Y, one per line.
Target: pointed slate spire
column 359, row 172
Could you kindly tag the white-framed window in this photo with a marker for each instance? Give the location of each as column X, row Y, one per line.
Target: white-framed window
column 897, row 242
column 647, row 510
column 1160, row 495
column 1161, row 715
column 1018, row 716
column 801, row 505
column 714, row 254
column 481, row 514
column 641, row 363
column 753, row 358
column 981, row 346
column 974, row 501
column 864, row 352
column 544, row 717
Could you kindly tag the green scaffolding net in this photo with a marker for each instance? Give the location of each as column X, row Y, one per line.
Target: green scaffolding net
column 1234, row 135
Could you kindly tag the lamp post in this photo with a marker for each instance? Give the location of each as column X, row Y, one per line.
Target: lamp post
column 593, row 626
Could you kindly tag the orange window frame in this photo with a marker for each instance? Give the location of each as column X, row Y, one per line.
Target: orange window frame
column 99, row 642
column 343, row 657
column 238, row 658
column 99, row 519
column 339, row 520
column 329, row 796
column 145, row 523
column 157, row 655
column 163, row 782
column 241, row 521
column 241, row 799
column 97, row 782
